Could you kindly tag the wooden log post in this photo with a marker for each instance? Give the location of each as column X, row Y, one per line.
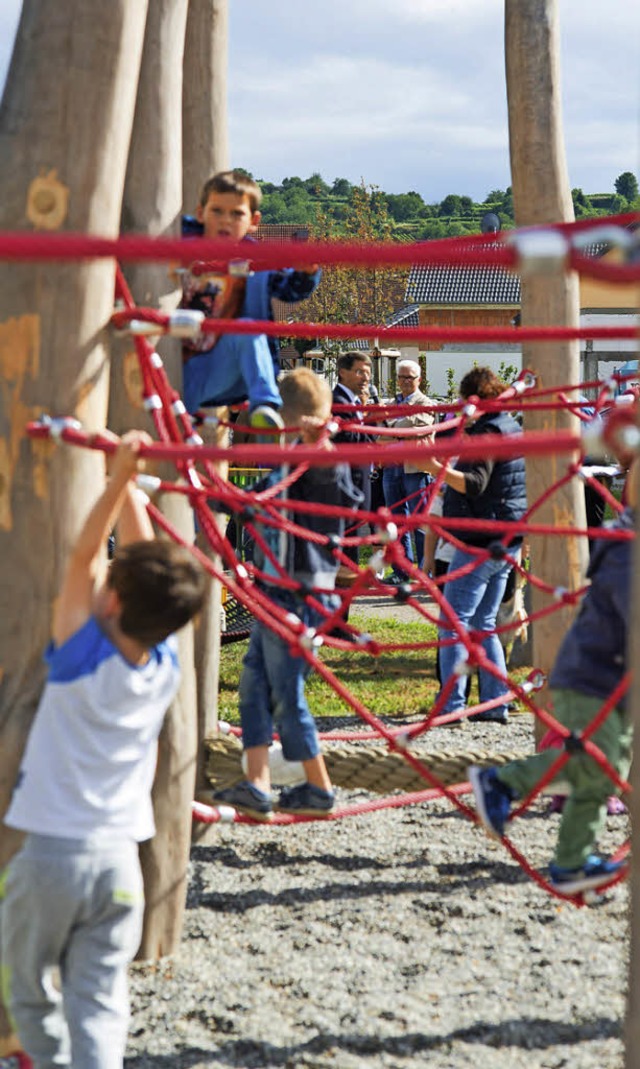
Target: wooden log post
column 632, row 1022
column 205, row 150
column 65, row 125
column 205, row 139
column 542, row 195
column 152, row 204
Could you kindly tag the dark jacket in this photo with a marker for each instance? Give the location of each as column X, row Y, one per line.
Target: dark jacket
column 302, row 559
column 495, row 490
column 592, row 658
column 361, row 475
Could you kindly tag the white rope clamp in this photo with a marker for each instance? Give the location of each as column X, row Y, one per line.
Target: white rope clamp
column 311, row 640
column 540, row 252
column 185, row 323
column 388, row 533
column 142, row 327
column 240, row 268
column 150, row 484
column 59, row 424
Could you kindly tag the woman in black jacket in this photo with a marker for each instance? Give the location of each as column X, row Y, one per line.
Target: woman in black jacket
column 483, row 490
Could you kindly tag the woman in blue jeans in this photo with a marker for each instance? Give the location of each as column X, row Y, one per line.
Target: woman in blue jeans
column 482, row 490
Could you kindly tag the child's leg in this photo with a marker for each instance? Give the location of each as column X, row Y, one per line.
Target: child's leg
column 285, row 678
column 37, row 916
column 258, row 767
column 255, row 707
column 104, row 941
column 316, row 772
column 238, row 366
column 523, row 774
column 585, row 809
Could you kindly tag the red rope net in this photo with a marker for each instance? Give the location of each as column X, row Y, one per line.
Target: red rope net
column 201, row 482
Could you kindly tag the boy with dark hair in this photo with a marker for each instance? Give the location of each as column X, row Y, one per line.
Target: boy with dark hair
column 74, row 894
column 590, row 664
column 230, row 368
column 272, row 681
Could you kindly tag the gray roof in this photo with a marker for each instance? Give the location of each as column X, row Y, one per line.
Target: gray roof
column 473, row 284
column 460, row 284
column 407, row 316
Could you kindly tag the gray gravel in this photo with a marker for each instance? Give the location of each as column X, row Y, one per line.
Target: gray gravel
column 403, row 938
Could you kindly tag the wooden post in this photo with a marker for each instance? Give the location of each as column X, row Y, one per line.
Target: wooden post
column 542, row 194
column 152, row 204
column 205, row 150
column 205, row 142
column 65, row 124
column 632, row 1024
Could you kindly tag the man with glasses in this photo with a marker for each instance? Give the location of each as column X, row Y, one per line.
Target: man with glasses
column 403, row 484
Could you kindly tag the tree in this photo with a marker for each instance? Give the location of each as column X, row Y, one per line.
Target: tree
column 341, row 187
column 581, row 203
column 354, row 295
column 403, row 206
column 316, row 185
column 451, row 205
column 626, row 185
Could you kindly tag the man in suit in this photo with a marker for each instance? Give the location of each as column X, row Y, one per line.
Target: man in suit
column 354, row 377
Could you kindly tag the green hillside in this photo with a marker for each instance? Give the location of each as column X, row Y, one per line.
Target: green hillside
column 312, row 202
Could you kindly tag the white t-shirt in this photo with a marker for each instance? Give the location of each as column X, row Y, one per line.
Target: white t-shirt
column 444, row 548
column 90, row 758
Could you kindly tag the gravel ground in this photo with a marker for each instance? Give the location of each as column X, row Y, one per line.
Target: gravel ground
column 402, row 938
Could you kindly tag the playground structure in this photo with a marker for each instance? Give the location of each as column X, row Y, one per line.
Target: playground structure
column 204, row 487
column 56, row 358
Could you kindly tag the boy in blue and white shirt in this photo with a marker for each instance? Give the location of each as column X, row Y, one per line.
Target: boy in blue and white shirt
column 74, row 895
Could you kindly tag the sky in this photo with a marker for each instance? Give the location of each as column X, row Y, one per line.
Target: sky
column 411, row 94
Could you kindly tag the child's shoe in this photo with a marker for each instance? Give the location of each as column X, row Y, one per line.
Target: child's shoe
column 306, row 800
column 246, row 799
column 493, row 799
column 268, row 420
column 595, row 872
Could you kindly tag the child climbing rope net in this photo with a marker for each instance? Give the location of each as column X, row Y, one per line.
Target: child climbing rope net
column 207, row 492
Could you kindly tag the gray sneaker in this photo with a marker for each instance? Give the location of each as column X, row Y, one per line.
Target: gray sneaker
column 306, row 800
column 246, row 799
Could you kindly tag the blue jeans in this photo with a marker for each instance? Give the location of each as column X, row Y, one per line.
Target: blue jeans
column 237, row 367
column 272, row 688
column 396, row 485
column 475, row 599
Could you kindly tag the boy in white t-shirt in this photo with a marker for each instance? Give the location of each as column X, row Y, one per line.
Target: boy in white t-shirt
column 74, row 895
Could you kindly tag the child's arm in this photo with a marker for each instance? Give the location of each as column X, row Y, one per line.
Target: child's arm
column 294, row 285
column 87, row 563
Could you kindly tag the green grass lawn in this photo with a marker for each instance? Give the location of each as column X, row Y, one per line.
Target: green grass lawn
column 396, row 684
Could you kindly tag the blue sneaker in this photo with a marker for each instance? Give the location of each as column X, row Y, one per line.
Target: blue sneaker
column 493, row 799
column 306, row 800
column 246, row 799
column 595, row 872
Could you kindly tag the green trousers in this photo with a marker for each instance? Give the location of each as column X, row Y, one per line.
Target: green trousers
column 585, row 808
